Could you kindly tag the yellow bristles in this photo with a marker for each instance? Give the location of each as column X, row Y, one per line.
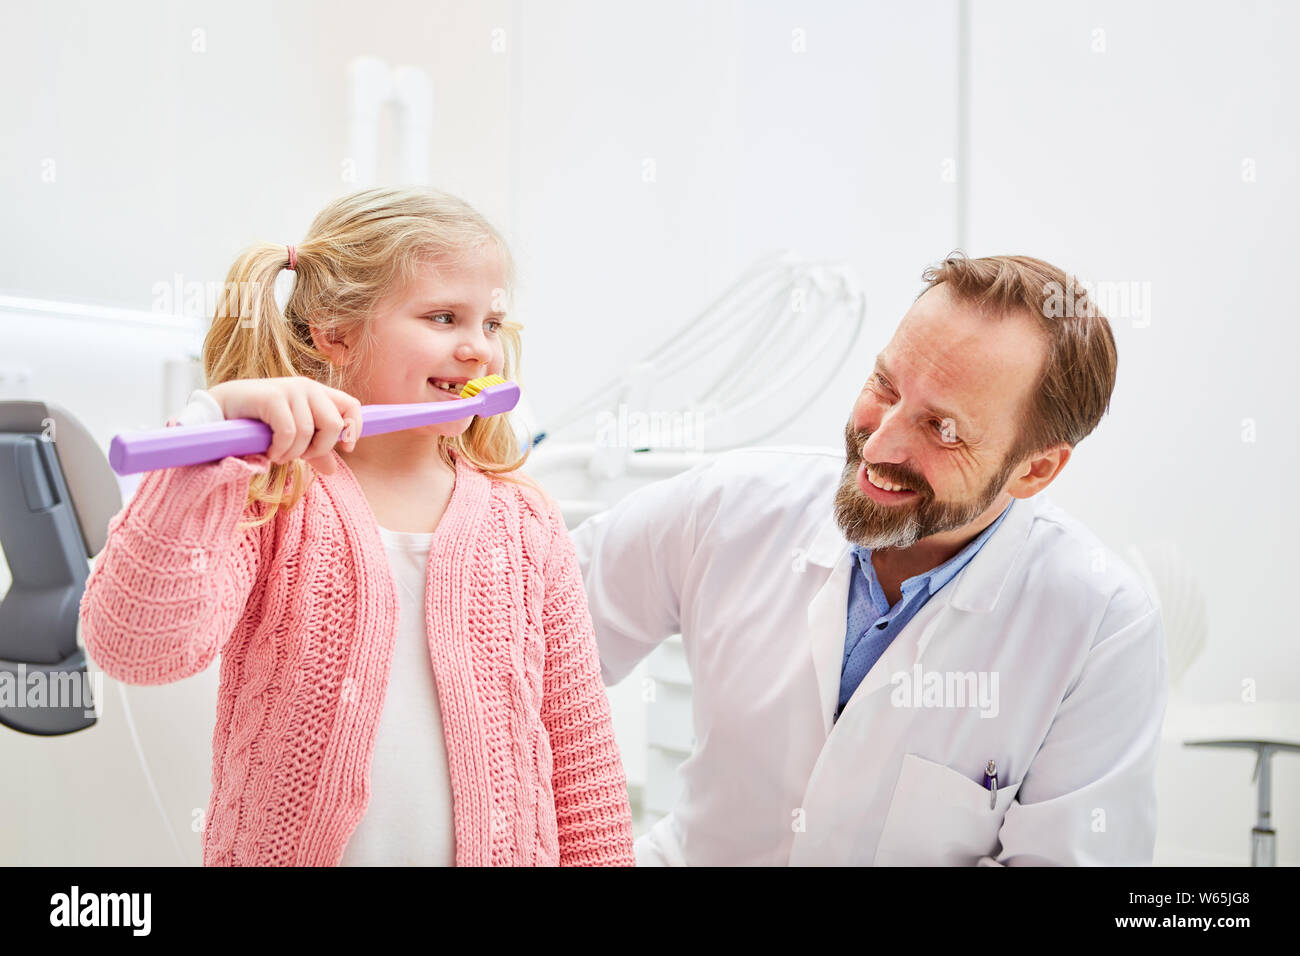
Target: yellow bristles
column 476, row 385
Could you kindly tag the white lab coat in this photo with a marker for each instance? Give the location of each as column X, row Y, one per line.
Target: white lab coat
column 743, row 558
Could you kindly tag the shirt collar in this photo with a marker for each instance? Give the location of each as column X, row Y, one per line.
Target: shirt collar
column 935, row 578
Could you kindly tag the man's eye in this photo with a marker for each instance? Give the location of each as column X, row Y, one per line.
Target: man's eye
column 947, row 430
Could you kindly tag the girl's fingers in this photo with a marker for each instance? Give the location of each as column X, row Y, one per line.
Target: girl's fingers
column 307, row 419
column 350, row 410
column 304, row 425
column 279, row 416
column 328, row 423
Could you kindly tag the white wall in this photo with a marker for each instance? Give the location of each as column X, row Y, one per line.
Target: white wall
column 1120, row 165
column 771, row 127
column 169, row 159
column 1120, row 155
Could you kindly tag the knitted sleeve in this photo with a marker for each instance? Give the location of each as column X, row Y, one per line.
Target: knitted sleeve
column 594, row 820
column 172, row 580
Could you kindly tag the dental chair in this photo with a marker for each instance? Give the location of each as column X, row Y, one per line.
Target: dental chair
column 1253, row 727
column 57, row 494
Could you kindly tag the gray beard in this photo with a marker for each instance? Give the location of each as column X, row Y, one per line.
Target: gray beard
column 871, row 525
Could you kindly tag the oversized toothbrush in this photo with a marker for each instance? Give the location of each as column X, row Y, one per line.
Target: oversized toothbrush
column 195, row 444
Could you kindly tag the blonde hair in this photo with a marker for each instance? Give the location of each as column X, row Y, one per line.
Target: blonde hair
column 359, row 249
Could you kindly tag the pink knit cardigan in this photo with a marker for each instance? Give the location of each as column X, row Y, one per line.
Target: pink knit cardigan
column 303, row 613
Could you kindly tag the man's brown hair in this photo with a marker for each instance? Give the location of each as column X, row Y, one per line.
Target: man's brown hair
column 1074, row 387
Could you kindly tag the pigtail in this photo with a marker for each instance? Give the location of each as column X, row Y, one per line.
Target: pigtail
column 251, row 338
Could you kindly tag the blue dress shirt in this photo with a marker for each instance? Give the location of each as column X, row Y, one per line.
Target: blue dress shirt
column 873, row 624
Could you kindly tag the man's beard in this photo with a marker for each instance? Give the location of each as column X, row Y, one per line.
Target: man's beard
column 876, row 526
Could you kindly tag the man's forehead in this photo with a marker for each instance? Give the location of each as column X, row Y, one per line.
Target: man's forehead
column 962, row 354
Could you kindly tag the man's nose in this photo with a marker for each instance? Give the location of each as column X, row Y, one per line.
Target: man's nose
column 888, row 441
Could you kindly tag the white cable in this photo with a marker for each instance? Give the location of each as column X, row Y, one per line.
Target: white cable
column 777, row 423
column 741, row 388
column 766, row 361
column 754, row 281
column 665, row 354
column 752, row 363
column 857, row 302
column 144, row 765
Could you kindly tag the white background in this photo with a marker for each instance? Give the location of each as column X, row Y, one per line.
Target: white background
column 1116, row 140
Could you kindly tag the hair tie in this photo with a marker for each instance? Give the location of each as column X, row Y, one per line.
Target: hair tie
column 293, row 258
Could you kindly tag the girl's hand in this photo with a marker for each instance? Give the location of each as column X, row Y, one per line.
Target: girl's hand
column 307, row 418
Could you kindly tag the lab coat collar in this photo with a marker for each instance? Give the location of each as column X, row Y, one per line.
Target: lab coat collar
column 980, row 583
column 829, row 545
column 977, row 588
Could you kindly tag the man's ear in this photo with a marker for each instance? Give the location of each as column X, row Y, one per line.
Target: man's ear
column 1038, row 471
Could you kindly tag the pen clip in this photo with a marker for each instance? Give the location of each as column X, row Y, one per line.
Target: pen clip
column 991, row 781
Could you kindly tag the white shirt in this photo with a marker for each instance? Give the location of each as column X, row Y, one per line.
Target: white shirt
column 408, row 821
column 743, row 558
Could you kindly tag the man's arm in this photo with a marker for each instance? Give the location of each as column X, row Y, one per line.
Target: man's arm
column 1089, row 796
column 634, row 559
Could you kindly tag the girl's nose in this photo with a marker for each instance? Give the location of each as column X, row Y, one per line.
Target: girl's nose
column 473, row 348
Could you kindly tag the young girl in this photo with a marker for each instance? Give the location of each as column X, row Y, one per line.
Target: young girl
column 408, row 670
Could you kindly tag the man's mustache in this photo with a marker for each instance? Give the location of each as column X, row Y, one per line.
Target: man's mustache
column 855, row 441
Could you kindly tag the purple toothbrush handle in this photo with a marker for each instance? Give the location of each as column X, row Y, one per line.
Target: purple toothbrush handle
column 187, row 445
column 196, row 444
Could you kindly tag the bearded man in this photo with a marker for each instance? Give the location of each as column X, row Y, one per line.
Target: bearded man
column 906, row 655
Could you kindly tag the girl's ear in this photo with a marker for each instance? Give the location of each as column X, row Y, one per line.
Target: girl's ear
column 331, row 344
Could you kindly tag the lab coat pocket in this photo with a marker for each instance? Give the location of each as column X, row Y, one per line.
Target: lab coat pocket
column 940, row 817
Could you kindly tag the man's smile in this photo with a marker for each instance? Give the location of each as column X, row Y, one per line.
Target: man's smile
column 871, row 486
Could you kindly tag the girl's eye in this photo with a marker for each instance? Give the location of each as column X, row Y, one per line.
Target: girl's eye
column 496, row 325
column 443, row 315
